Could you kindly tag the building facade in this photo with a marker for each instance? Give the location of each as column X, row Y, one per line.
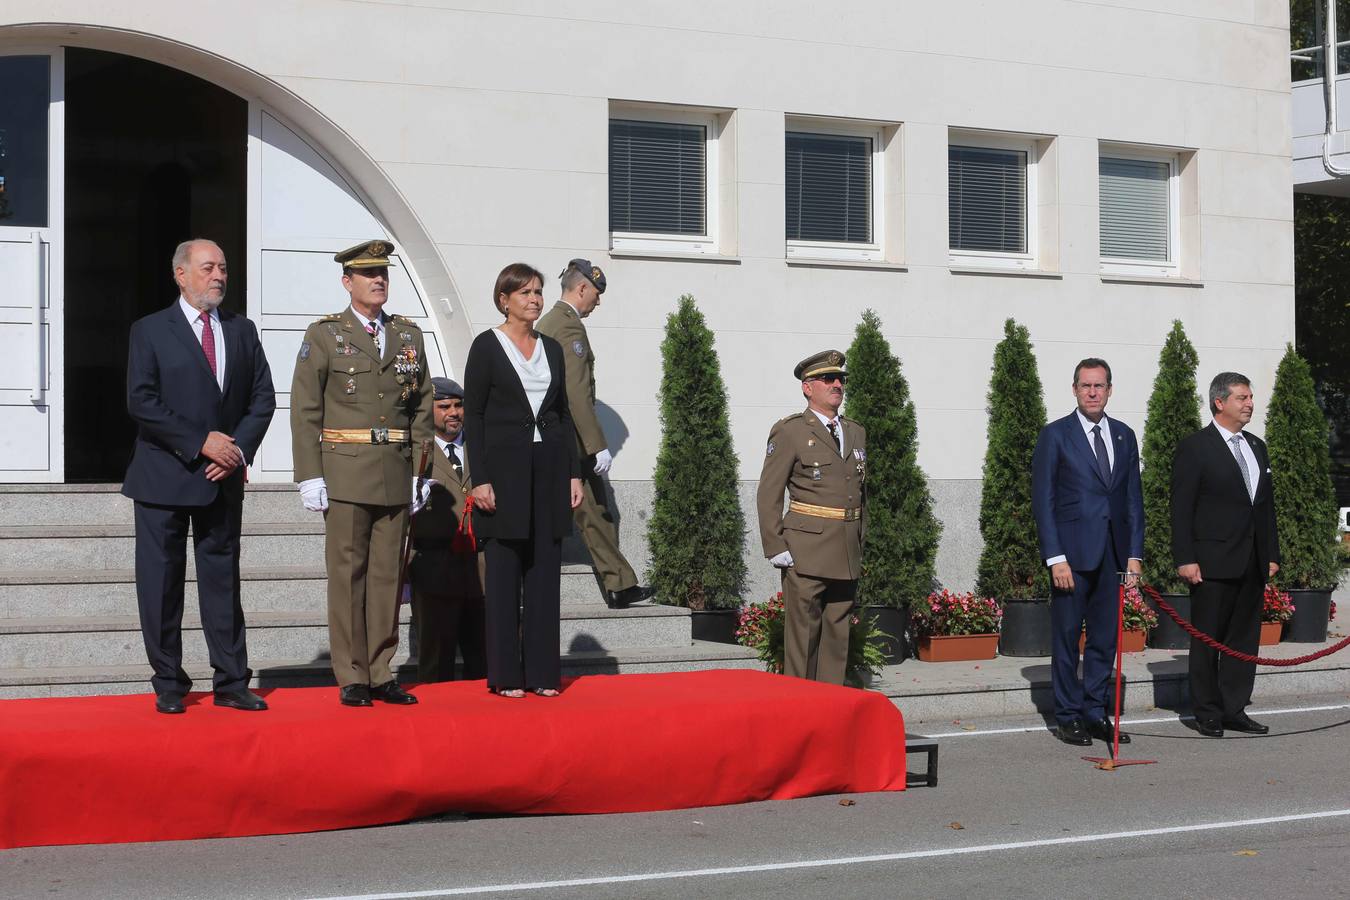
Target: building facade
column 1093, row 170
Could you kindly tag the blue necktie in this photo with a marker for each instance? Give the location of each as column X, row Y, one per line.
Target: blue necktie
column 1103, row 461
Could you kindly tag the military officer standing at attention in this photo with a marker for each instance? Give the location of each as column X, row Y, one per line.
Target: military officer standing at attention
column 360, row 400
column 447, row 581
column 820, row 458
column 582, row 285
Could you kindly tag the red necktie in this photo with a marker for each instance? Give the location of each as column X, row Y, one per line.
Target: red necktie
column 209, row 342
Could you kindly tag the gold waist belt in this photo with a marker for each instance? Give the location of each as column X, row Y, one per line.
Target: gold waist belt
column 825, row 512
column 366, row 435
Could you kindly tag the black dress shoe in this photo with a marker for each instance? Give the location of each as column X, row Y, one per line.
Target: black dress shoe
column 390, row 692
column 1245, row 723
column 1101, row 729
column 355, row 695
column 170, row 702
column 242, row 699
column 1209, row 729
column 1073, row 732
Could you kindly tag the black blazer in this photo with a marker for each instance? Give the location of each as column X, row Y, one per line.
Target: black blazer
column 174, row 400
column 499, row 439
column 1214, row 523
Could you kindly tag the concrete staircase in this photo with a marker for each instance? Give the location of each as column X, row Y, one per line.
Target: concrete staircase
column 68, row 623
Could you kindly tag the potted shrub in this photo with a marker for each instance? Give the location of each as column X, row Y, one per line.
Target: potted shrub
column 760, row 627
column 696, row 532
column 1139, row 617
column 1277, row 607
column 1173, row 413
column 1010, row 568
column 1305, row 501
column 956, row 626
column 900, row 553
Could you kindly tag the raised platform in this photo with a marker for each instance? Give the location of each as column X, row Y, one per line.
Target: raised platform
column 110, row 769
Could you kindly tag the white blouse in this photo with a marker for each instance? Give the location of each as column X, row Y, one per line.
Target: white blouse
column 534, row 373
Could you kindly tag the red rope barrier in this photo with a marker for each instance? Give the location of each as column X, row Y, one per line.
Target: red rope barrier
column 1238, row 655
column 464, row 540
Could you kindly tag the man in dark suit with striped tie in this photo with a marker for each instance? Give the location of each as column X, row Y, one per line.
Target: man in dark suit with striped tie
column 200, row 392
column 1225, row 546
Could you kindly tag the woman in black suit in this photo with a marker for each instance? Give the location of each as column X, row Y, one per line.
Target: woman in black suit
column 523, row 462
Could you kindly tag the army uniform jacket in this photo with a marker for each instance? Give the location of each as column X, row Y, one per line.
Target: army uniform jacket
column 436, row 569
column 802, row 458
column 564, row 325
column 341, row 382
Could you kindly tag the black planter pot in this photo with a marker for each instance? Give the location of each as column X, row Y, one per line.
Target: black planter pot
column 892, row 623
column 1168, row 635
column 716, row 625
column 1312, row 612
column 1026, row 628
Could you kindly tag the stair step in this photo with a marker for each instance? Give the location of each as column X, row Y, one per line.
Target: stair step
column 103, row 504
column 63, row 681
column 301, row 635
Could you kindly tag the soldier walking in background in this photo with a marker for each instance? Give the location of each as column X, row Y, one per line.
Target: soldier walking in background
column 360, row 399
column 582, row 285
column 820, row 459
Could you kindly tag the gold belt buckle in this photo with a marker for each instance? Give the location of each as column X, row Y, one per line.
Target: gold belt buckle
column 379, row 435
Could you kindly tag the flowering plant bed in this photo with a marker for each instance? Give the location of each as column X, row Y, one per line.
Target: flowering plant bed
column 1139, row 616
column 761, row 629
column 948, row 613
column 1277, row 606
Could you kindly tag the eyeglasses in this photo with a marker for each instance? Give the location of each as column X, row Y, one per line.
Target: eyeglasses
column 832, row 378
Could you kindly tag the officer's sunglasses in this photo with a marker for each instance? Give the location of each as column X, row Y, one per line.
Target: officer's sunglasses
column 832, row 378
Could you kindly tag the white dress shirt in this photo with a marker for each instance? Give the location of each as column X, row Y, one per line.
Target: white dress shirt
column 535, row 374
column 457, row 443
column 378, row 322
column 194, row 317
column 1253, row 467
column 839, row 426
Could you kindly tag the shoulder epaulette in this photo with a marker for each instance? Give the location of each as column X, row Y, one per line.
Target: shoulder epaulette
column 335, row 317
column 796, row 415
column 404, row 320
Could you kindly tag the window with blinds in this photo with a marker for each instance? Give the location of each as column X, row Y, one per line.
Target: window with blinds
column 658, row 174
column 829, row 188
column 1136, row 209
column 987, row 199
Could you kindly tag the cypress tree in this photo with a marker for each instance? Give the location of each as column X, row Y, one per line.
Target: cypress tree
column 899, row 557
column 1300, row 464
column 697, row 529
column 1173, row 413
column 1010, row 566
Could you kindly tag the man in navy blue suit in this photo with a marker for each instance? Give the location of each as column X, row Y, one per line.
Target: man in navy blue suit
column 200, row 392
column 1089, row 511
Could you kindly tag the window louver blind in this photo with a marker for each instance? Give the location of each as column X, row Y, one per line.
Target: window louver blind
column 987, row 199
column 1135, row 208
column 657, row 177
column 829, row 188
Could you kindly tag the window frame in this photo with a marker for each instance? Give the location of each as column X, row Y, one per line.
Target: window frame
column 648, row 241
column 1030, row 259
column 872, row 251
column 1125, row 266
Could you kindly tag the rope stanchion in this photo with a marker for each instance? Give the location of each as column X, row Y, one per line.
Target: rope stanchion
column 1229, row 651
column 1114, row 762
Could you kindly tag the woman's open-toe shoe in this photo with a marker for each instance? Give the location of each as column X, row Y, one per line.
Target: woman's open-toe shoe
column 513, row 693
column 546, row 692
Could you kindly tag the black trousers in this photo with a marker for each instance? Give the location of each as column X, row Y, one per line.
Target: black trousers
column 1229, row 610
column 523, row 583
column 161, row 565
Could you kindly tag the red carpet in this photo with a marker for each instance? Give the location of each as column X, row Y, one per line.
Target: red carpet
column 110, row 769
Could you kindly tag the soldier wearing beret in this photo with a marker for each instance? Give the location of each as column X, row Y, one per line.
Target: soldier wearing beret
column 447, row 578
column 582, row 285
column 360, row 400
column 820, row 458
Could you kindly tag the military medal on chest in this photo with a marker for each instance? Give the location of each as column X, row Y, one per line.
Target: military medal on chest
column 860, row 465
column 407, row 368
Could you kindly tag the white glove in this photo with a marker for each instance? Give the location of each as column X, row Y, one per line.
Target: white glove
column 420, row 497
column 782, row 560
column 314, row 494
column 603, row 460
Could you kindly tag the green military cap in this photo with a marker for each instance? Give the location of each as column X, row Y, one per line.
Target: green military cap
column 826, row 362
column 366, row 255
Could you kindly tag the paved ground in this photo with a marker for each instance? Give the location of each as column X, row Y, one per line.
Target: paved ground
column 1016, row 814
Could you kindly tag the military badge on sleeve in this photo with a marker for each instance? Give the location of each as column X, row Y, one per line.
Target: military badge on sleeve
column 304, row 351
column 769, row 451
column 579, row 348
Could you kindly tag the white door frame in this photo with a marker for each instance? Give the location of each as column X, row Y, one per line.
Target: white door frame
column 45, row 290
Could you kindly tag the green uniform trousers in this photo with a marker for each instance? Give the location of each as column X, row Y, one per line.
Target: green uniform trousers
column 597, row 529
column 361, row 548
column 816, row 613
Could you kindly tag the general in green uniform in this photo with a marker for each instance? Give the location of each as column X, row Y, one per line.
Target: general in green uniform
column 582, row 285
column 360, row 399
column 447, row 574
column 820, row 458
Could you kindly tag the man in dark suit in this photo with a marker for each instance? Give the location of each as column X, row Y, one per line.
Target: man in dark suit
column 1089, row 509
column 200, row 393
column 1225, row 546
